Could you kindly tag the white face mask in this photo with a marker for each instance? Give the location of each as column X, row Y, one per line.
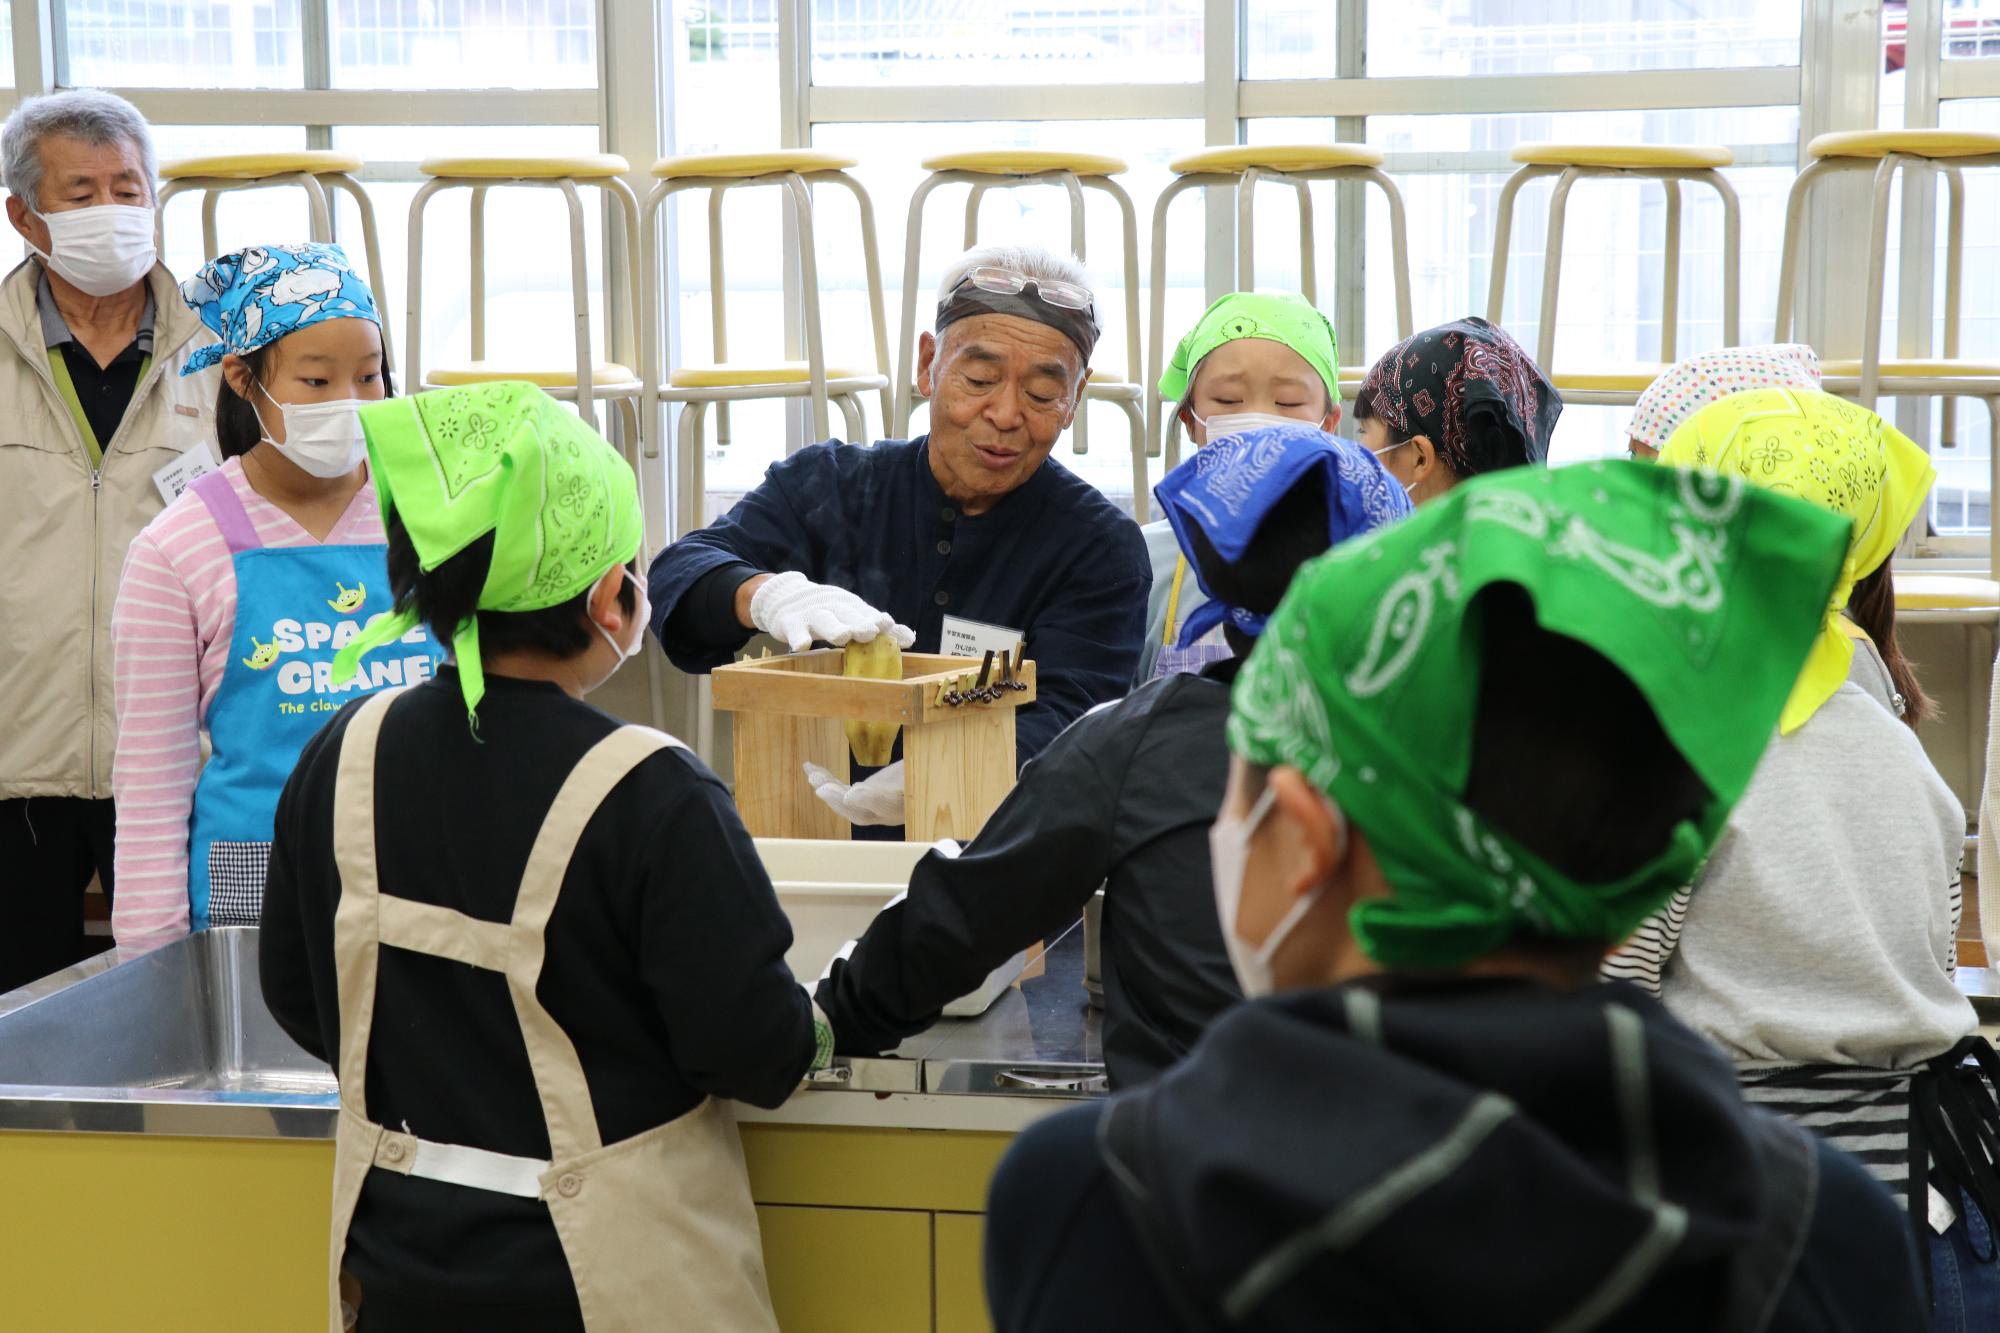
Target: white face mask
column 642, row 612
column 1228, row 854
column 1235, row 423
column 102, row 250
column 1390, row 449
column 324, row 439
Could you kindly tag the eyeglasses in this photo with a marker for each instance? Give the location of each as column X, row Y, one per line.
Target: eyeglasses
column 1053, row 291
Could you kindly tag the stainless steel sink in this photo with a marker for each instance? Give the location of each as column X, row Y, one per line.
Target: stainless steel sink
column 178, row 1041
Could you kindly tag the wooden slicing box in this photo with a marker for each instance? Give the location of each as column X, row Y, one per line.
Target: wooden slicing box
column 958, row 761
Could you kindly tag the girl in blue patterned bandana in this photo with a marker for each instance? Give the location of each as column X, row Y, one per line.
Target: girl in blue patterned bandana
column 236, row 598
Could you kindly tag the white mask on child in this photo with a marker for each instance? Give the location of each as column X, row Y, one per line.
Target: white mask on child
column 1236, row 423
column 324, row 439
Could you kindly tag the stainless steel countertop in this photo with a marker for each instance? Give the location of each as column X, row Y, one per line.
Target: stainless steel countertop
column 179, row 1042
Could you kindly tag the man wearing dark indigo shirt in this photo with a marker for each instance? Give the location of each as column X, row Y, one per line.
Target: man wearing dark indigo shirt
column 962, row 539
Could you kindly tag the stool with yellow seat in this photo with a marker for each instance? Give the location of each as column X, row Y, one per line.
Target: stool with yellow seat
column 316, row 171
column 1883, row 153
column 1670, row 165
column 796, row 171
column 579, row 377
column 1013, row 169
column 1243, row 168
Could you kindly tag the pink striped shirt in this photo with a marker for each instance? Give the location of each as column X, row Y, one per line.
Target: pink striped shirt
column 170, row 633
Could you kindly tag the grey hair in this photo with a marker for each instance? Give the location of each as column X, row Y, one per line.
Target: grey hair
column 1030, row 261
column 98, row 118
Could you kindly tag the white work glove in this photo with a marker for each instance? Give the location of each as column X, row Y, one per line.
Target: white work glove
column 873, row 800
column 791, row 607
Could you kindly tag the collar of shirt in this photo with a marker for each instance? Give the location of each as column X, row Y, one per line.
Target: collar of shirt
column 56, row 331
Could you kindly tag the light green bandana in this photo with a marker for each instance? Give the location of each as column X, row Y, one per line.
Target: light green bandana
column 1278, row 317
column 1704, row 591
column 456, row 464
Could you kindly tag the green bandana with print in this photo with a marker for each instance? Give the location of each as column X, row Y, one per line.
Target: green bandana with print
column 1367, row 678
column 456, row 464
column 1278, row 317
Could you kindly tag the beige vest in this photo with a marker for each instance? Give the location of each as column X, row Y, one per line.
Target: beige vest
column 67, row 529
column 659, row 1222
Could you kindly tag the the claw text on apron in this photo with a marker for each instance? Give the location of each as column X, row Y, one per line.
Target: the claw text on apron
column 295, row 607
column 656, row 1223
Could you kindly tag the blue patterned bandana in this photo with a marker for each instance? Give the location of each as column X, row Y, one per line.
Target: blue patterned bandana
column 1229, row 486
column 256, row 296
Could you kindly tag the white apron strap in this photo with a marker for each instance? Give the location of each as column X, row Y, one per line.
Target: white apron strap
column 356, row 938
column 566, row 1104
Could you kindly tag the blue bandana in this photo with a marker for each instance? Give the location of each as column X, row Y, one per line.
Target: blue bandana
column 256, row 296
column 1230, row 484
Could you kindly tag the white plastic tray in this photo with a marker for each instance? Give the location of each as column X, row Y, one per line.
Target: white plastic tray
column 831, row 890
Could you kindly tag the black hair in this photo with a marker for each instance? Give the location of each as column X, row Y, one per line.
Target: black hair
column 1568, row 758
column 1293, row 531
column 1364, row 410
column 237, row 429
column 445, row 596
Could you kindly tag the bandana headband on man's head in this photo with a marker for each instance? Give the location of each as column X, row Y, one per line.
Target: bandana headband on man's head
column 1367, row 679
column 1228, row 488
column 257, row 296
column 969, row 299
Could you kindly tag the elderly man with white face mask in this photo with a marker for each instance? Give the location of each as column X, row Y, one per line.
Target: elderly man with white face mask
column 100, row 431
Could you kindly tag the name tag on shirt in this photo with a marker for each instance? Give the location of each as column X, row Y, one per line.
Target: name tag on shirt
column 184, row 471
column 970, row 638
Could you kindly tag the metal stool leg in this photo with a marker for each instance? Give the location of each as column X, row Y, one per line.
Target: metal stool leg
column 210, row 201
column 850, row 414
column 809, row 280
column 975, row 198
column 691, row 468
column 371, row 243
column 1878, row 252
column 1246, row 229
column 414, row 316
column 871, row 255
column 1156, row 332
column 1552, row 268
column 1732, row 257
column 1670, row 277
column 1308, row 259
column 1503, row 233
column 906, row 348
column 1142, row 510
column 718, row 324
column 580, row 293
column 1954, row 272
column 1788, row 261
column 1399, row 251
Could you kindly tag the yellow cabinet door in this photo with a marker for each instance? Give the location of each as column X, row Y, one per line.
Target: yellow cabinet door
column 848, row 1270
column 961, row 1277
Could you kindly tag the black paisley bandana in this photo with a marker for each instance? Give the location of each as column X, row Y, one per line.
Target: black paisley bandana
column 1436, row 383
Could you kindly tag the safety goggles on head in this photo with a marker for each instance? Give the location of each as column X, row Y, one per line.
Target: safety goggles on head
column 1006, row 282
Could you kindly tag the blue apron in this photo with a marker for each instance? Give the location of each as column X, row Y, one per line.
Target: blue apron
column 296, row 606
column 1172, row 658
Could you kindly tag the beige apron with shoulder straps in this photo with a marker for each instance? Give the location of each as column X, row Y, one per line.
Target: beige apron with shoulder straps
column 657, row 1227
